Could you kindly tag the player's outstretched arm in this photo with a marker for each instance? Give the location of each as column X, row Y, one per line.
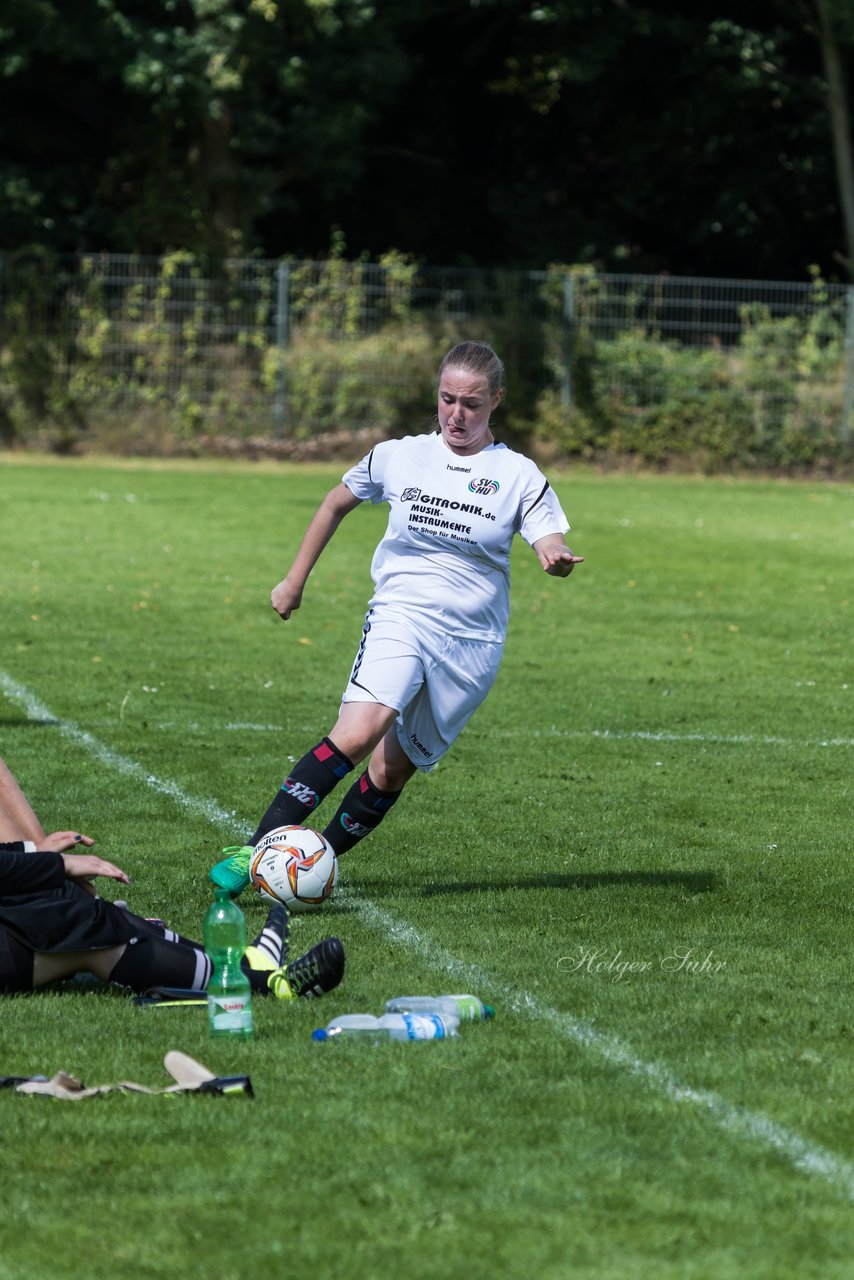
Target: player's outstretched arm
column 555, row 556
column 17, row 819
column 287, row 594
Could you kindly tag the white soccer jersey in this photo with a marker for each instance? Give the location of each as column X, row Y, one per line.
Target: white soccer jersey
column 445, row 555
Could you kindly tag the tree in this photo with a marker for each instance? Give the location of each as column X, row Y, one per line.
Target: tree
column 640, row 135
column 144, row 126
column 831, row 23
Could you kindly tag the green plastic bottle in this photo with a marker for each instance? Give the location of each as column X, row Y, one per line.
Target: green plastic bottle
column 229, row 993
column 466, row 1008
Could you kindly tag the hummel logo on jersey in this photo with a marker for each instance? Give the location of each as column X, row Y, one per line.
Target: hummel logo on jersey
column 410, row 495
column 484, row 487
column 467, row 470
column 300, row 792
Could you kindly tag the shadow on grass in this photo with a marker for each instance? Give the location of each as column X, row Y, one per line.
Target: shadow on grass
column 25, row 722
column 692, row 882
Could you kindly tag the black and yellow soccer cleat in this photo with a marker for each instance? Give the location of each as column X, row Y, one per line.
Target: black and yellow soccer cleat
column 314, row 974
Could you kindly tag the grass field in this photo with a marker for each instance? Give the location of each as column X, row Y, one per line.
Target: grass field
column 639, row 851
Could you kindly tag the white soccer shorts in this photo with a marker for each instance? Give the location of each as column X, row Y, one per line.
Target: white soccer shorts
column 436, row 681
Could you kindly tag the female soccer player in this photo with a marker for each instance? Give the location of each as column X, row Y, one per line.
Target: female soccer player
column 434, row 633
column 52, row 925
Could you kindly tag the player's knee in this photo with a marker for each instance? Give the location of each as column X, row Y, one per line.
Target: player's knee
column 360, row 727
column 390, row 775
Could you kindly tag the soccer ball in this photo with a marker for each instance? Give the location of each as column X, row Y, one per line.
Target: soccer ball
column 296, row 866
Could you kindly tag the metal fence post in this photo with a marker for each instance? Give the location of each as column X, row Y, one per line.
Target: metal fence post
column 848, row 396
column 568, row 308
column 280, row 407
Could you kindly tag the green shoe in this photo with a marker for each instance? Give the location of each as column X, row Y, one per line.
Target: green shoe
column 232, row 873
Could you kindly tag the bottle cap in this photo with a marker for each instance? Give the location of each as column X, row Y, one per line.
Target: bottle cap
column 488, row 1011
column 320, row 1034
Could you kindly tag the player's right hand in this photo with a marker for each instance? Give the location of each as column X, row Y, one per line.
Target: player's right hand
column 285, row 598
column 85, row 866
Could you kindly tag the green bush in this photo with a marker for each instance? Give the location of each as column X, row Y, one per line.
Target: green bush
column 773, row 399
column 383, row 380
column 156, row 357
column 37, row 350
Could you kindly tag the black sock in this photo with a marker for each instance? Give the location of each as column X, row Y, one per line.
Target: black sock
column 362, row 809
column 159, row 929
column 311, row 779
column 272, row 942
column 154, row 962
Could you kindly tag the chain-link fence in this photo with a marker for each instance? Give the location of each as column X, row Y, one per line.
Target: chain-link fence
column 292, row 349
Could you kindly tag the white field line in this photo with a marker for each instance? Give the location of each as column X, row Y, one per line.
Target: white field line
column 737, row 1122
column 612, row 735
column 661, row 735
column 37, row 711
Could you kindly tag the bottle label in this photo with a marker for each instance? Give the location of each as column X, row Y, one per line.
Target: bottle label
column 424, row 1026
column 230, row 1013
column 469, row 1007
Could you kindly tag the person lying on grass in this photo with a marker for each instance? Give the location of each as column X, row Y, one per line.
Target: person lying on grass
column 53, row 925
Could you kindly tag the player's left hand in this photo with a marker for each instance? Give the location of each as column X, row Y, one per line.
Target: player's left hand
column 560, row 563
column 59, row 841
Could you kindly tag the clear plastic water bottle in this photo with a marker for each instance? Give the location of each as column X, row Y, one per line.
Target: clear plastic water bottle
column 465, row 1008
column 391, row 1026
column 229, row 993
